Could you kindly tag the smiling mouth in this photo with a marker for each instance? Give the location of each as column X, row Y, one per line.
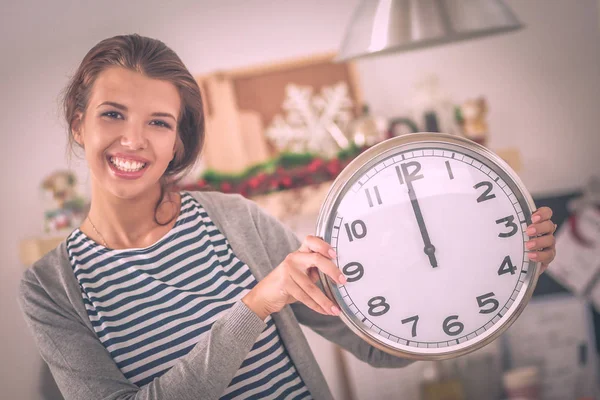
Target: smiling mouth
column 127, row 165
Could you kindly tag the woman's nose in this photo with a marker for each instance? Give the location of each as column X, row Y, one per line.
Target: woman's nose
column 134, row 138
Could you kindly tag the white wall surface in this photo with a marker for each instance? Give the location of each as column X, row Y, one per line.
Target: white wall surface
column 542, row 84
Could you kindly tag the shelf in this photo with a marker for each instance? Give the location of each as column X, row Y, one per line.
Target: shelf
column 32, row 249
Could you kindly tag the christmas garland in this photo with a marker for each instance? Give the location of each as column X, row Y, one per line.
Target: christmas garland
column 286, row 171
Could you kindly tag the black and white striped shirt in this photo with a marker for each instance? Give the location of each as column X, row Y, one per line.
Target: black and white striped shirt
column 150, row 306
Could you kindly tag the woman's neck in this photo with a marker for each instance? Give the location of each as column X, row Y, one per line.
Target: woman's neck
column 130, row 223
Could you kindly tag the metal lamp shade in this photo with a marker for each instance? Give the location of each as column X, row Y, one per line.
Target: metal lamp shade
column 384, row 26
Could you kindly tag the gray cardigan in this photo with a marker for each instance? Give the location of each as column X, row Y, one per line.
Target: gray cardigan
column 50, row 298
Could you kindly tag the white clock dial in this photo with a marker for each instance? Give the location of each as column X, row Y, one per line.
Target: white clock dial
column 431, row 240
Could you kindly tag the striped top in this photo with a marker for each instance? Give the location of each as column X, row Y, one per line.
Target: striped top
column 150, row 306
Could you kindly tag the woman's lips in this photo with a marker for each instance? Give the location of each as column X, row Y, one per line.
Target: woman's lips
column 127, row 174
column 130, row 157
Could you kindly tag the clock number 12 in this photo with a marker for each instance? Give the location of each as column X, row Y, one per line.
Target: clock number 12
column 406, row 175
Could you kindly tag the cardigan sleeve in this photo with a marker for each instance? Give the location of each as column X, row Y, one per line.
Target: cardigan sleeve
column 280, row 241
column 83, row 368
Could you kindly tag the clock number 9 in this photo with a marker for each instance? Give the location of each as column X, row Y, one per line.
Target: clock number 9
column 353, row 232
column 355, row 273
column 509, row 224
column 378, row 302
column 452, row 328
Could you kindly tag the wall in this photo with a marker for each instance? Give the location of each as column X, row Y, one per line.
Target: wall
column 542, row 84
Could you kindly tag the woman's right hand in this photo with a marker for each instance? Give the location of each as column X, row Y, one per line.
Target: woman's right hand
column 294, row 280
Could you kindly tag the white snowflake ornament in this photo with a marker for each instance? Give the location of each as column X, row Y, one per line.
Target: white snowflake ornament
column 313, row 123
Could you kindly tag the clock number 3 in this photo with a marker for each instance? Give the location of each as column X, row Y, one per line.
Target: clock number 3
column 509, row 223
column 378, row 306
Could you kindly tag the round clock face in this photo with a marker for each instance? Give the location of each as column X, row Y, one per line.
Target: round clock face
column 430, row 233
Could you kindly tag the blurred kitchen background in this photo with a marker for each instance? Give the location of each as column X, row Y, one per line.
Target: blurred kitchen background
column 530, row 92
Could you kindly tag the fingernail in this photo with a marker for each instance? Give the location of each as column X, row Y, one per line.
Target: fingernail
column 335, row 310
column 342, row 279
column 530, row 244
column 332, row 253
column 536, row 218
column 530, row 231
column 533, row 256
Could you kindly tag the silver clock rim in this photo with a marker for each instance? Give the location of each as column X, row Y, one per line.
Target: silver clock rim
column 365, row 161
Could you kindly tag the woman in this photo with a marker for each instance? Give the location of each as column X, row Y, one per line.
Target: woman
column 167, row 295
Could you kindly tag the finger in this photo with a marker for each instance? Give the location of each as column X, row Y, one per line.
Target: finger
column 314, row 292
column 542, row 242
column 541, row 214
column 317, row 245
column 304, row 261
column 541, row 228
column 300, row 295
column 544, row 256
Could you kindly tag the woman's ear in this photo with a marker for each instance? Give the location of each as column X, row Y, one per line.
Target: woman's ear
column 77, row 128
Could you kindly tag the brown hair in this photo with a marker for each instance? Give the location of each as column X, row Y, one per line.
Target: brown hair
column 154, row 59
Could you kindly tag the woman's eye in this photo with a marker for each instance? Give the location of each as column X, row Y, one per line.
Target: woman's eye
column 113, row 114
column 163, row 124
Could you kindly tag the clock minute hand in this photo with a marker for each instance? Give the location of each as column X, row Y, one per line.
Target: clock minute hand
column 429, row 248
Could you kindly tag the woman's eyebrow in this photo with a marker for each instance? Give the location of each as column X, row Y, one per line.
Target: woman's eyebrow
column 163, row 114
column 113, row 104
column 124, row 108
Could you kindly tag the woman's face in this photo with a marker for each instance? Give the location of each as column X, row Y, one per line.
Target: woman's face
column 129, row 131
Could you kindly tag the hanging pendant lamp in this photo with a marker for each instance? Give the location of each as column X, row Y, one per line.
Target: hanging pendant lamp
column 385, row 26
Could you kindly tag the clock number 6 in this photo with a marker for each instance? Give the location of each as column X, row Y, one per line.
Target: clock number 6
column 486, row 299
column 356, row 229
column 509, row 224
column 452, row 328
column 378, row 302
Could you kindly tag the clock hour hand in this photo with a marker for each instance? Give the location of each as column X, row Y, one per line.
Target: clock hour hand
column 429, row 247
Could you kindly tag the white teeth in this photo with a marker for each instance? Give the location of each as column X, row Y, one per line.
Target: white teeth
column 127, row 165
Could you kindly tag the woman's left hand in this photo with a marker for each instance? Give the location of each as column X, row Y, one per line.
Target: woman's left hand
column 541, row 245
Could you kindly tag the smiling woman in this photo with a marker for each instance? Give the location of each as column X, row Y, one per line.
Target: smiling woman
column 137, row 114
column 167, row 294
column 162, row 294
